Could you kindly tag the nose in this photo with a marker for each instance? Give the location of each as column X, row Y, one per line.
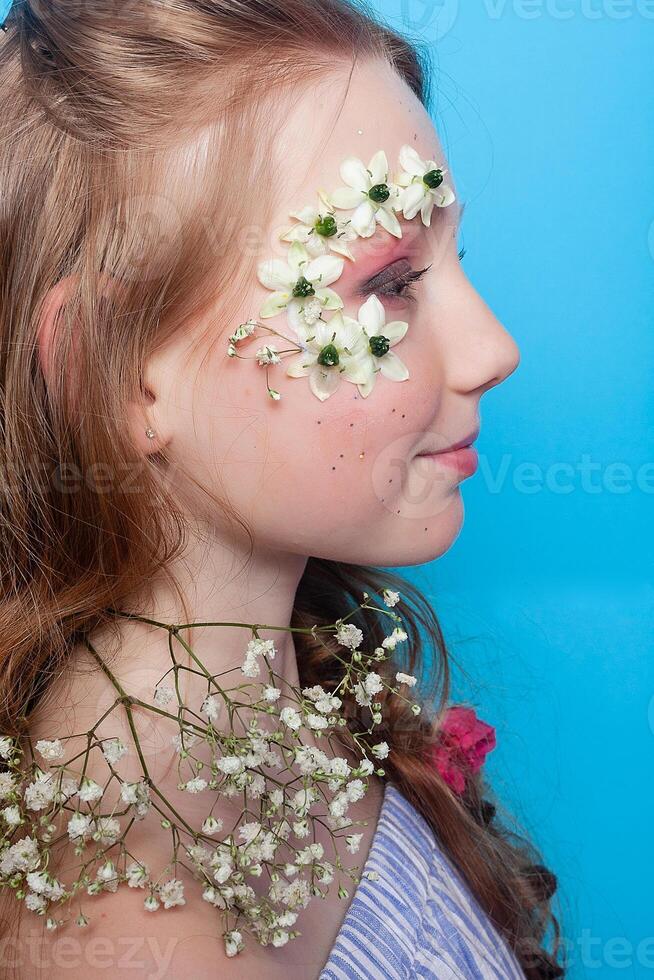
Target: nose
column 484, row 353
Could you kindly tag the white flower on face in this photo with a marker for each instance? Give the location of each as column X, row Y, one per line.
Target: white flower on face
column 379, row 338
column 320, row 230
column 423, row 186
column 50, row 750
column 80, row 826
column 299, row 281
column 370, row 192
column 333, row 349
column 113, row 750
column 172, row 893
column 407, row 679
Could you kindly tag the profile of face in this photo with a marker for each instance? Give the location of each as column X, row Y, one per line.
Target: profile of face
column 344, row 478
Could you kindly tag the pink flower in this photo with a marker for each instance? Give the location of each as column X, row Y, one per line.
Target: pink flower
column 463, row 743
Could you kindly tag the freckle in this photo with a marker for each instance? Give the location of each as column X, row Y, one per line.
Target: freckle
column 398, row 512
column 403, row 416
column 393, row 409
column 318, row 421
column 341, row 455
column 333, row 467
column 391, row 480
column 351, row 424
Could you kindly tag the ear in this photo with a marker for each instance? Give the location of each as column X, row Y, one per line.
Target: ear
column 140, row 415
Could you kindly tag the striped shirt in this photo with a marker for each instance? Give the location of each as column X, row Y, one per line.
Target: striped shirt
column 418, row 919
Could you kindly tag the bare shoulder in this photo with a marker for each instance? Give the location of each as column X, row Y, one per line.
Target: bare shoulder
column 129, row 943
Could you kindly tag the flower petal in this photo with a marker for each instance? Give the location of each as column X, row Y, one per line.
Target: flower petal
column 274, row 305
column 392, row 367
column 412, row 199
column 301, row 365
column 324, row 270
column 378, row 167
column 329, row 299
column 358, row 370
column 275, row 274
column 387, row 220
column 345, row 198
column 426, row 210
column 307, row 215
column 363, row 220
column 366, row 388
column 297, row 256
column 446, row 196
column 298, row 233
column 372, row 316
column 324, row 381
column 395, row 331
column 411, row 162
column 353, row 173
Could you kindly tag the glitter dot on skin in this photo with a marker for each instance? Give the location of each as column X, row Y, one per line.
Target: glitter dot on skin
column 361, row 455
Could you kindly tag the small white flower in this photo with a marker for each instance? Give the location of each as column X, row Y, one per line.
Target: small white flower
column 268, row 355
column 317, row 722
column 271, row 693
column 233, row 942
column 211, row 707
column 321, row 231
column 7, row 785
column 172, row 893
column 333, row 350
column 355, row 790
column 407, row 679
column 7, row 747
column 231, row 765
column 90, row 791
column 390, row 598
column 291, row 718
column 41, row 791
column 107, row 830
column 11, row 816
column 80, row 826
column 44, row 884
column 163, row 695
column 184, row 740
column 113, row 750
column 211, row 825
column 50, row 750
column 299, row 280
column 423, row 186
column 195, row 785
column 151, row 904
column 397, row 636
column 370, row 192
column 35, row 903
column 349, row 635
column 381, row 750
column 379, row 338
column 137, row 874
column 353, row 842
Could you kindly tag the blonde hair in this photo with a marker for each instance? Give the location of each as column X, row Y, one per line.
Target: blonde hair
column 115, row 115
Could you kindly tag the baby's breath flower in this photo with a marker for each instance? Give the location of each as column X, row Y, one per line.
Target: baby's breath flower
column 11, row 816
column 8, row 784
column 407, row 679
column 291, row 718
column 271, row 693
column 390, row 598
column 349, row 635
column 7, row 747
column 397, row 636
column 233, row 942
column 381, row 750
column 353, row 842
column 172, row 893
column 113, row 750
column 195, row 785
column 89, row 791
column 210, row 707
column 137, row 875
column 211, row 825
column 50, row 750
column 151, row 904
column 163, row 695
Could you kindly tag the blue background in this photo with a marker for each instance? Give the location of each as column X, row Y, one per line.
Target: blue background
column 545, row 114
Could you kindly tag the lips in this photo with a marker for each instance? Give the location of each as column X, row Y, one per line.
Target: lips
column 461, row 444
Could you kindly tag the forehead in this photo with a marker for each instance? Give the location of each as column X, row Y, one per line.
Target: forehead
column 347, row 113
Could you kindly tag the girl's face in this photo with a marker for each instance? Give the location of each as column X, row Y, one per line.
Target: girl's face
column 343, row 478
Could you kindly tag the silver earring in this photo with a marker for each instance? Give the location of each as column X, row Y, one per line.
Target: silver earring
column 150, row 433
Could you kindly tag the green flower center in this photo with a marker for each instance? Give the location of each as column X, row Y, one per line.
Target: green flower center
column 328, row 356
column 303, row 288
column 326, row 225
column 433, row 178
column 379, row 193
column 379, row 345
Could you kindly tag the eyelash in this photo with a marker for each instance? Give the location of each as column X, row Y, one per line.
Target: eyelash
column 403, row 285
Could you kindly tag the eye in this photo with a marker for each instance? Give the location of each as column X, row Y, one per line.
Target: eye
column 393, row 283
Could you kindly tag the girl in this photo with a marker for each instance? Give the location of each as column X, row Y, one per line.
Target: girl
column 217, row 219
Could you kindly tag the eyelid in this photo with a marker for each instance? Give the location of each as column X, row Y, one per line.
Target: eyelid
column 386, row 275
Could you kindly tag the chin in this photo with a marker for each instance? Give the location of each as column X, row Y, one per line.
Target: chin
column 415, row 540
